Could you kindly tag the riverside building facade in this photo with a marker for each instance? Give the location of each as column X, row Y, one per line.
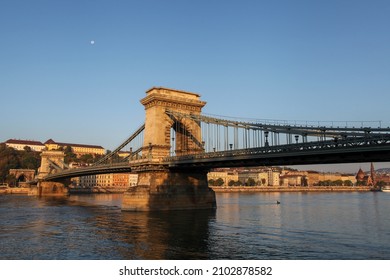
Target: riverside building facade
column 78, row 149
column 20, row 145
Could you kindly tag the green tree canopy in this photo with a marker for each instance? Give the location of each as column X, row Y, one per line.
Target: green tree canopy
column 251, row 182
column 212, row 182
column 219, row 182
column 348, row 183
column 69, row 155
column 13, row 159
column 231, row 183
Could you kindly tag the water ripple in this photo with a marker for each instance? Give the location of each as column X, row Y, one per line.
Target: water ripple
column 318, row 226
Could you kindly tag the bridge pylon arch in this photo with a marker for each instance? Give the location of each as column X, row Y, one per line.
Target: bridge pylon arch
column 158, row 124
column 51, row 162
column 159, row 187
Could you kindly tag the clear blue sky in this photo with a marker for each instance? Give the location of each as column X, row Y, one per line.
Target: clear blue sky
column 292, row 60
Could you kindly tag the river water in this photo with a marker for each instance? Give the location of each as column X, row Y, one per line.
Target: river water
column 244, row 226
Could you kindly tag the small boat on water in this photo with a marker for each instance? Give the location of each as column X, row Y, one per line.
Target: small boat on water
column 385, row 189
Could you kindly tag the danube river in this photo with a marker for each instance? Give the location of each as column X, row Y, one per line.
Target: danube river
column 244, row 226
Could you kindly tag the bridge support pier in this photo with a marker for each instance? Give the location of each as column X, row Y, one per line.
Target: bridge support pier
column 50, row 189
column 169, row 190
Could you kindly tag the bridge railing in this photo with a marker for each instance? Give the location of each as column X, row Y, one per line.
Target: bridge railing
column 221, row 134
column 90, row 170
column 373, row 141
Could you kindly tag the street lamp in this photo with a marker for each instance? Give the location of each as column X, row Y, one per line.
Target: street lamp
column 266, row 138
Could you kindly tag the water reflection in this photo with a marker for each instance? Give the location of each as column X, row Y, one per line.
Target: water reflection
column 244, row 226
column 152, row 235
column 167, row 235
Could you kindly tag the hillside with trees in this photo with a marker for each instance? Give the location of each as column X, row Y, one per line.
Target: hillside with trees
column 11, row 158
column 29, row 159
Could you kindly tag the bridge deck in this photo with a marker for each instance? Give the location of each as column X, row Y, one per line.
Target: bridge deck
column 356, row 150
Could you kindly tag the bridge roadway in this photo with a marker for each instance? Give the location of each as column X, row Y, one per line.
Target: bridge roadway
column 376, row 149
column 122, row 167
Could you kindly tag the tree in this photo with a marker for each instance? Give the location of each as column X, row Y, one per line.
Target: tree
column 231, row 183
column 29, row 159
column 212, row 182
column 11, row 180
column 250, row 182
column 361, row 183
column 380, row 184
column 27, row 149
column 325, row 183
column 348, row 183
column 115, row 158
column 238, row 183
column 337, row 183
column 69, row 155
column 219, row 182
column 9, row 159
column 87, row 158
column 13, row 159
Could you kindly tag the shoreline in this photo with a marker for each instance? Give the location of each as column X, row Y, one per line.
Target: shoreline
column 223, row 189
column 15, row 191
column 294, row 189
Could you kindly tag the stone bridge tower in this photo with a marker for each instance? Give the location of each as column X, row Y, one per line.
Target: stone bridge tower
column 158, row 125
column 51, row 162
column 159, row 187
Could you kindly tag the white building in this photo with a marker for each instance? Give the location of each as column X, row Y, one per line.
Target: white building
column 19, row 145
column 112, row 180
column 262, row 177
column 226, row 176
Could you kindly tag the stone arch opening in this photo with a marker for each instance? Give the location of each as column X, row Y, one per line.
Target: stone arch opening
column 183, row 136
column 21, row 178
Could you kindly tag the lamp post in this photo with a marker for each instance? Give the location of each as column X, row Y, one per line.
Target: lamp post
column 173, row 146
column 266, row 144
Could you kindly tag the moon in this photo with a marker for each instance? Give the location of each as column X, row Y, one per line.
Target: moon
column 92, row 42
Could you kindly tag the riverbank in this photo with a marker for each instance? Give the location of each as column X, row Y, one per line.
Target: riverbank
column 96, row 189
column 294, row 189
column 14, row 190
column 216, row 189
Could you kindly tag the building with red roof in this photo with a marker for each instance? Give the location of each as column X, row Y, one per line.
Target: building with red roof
column 21, row 144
